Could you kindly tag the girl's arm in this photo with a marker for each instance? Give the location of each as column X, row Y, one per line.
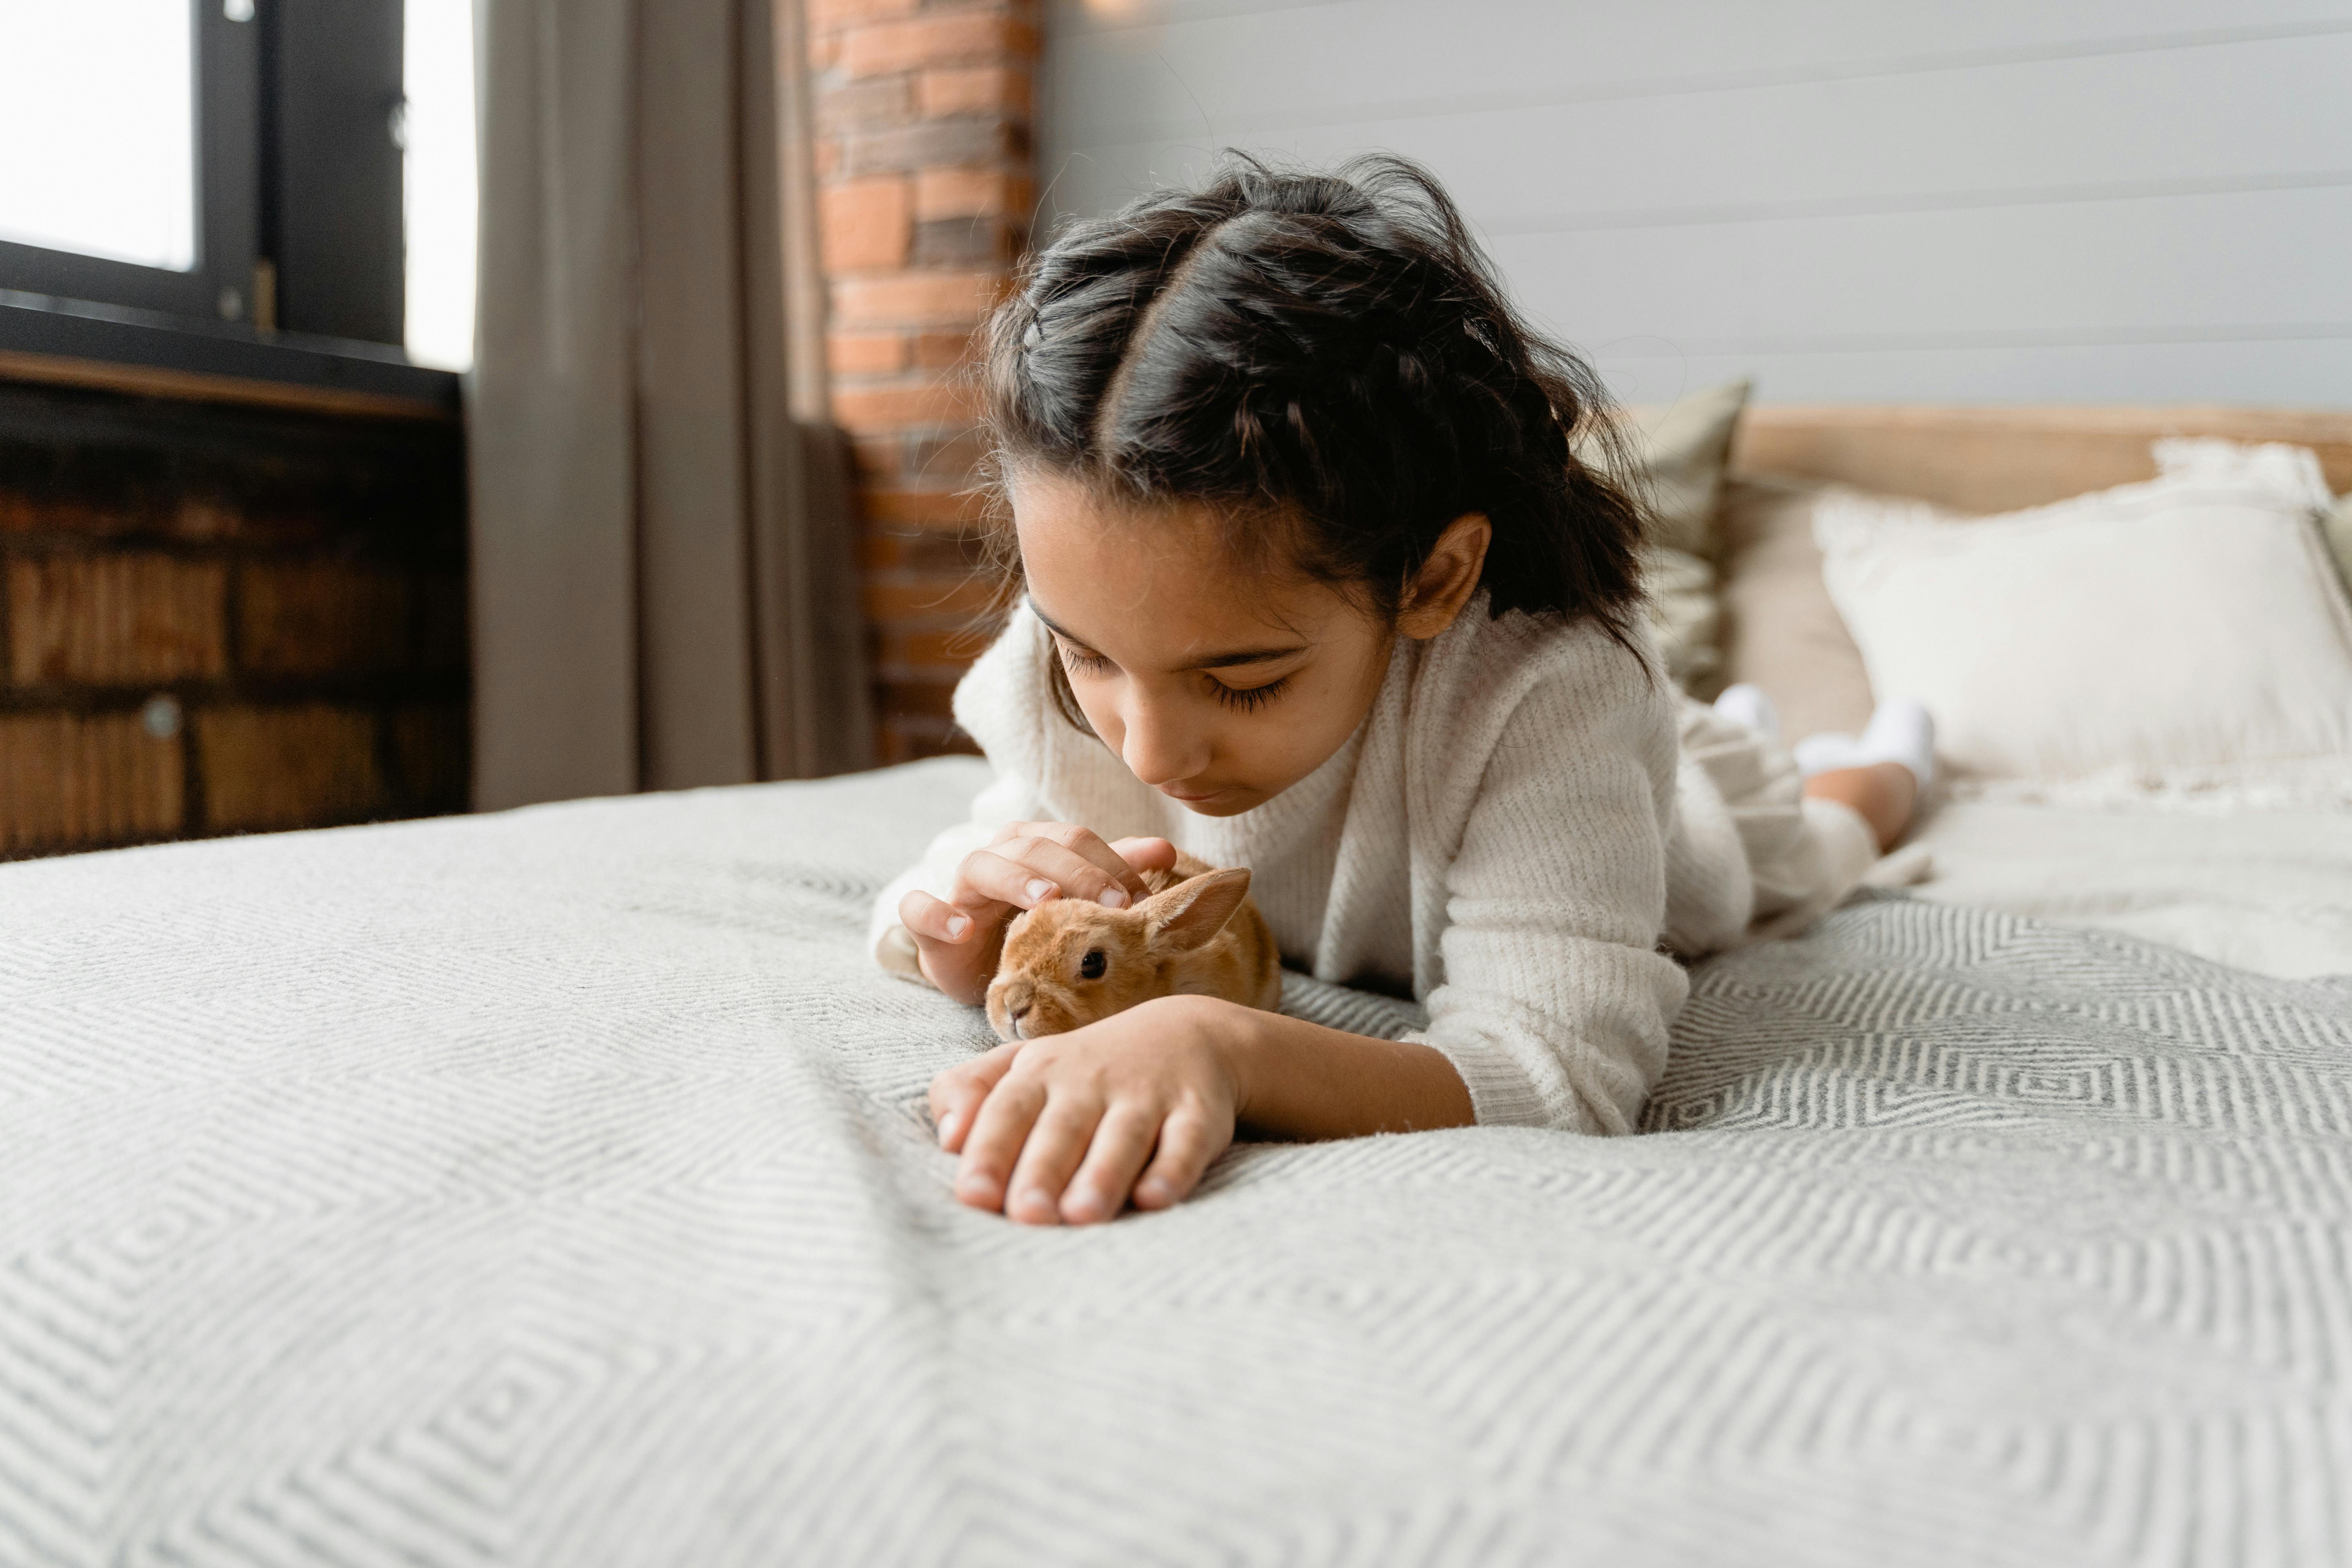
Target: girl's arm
column 1307, row 1081
column 1067, row 1128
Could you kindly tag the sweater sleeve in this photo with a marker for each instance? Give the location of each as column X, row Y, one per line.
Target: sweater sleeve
column 998, row 703
column 1008, row 798
column 1555, row 1001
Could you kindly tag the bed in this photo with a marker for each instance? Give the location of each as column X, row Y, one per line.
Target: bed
column 554, row 1187
column 2259, row 879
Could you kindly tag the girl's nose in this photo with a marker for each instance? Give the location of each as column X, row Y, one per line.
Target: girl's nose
column 1159, row 752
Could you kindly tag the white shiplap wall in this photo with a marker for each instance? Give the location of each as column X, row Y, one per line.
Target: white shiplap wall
column 2131, row 201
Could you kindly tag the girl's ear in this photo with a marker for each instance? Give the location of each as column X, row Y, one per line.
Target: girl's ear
column 1189, row 914
column 1447, row 579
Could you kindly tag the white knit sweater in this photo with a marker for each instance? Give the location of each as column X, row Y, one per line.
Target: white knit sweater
column 1496, row 837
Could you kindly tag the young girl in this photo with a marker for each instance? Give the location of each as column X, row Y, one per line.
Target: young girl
column 1315, row 582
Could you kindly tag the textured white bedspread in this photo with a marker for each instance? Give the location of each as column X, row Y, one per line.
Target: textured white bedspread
column 553, row 1188
column 2269, row 890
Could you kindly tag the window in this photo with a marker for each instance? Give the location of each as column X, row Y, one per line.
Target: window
column 107, row 90
column 246, row 169
column 130, row 178
column 439, row 139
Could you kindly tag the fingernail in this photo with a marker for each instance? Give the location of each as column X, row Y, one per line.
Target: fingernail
column 1150, row 1191
column 957, row 927
column 1039, row 889
column 947, row 1126
column 1114, row 898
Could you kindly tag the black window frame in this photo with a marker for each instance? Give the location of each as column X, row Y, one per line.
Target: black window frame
column 301, row 249
column 332, row 220
column 227, row 142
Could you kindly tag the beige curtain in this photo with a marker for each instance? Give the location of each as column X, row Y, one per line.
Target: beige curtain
column 663, row 591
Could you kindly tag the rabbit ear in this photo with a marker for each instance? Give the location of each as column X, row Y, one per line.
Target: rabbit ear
column 1192, row 913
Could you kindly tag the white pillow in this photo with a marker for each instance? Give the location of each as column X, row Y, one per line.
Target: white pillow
column 2188, row 622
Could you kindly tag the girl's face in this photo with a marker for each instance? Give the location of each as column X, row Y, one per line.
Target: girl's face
column 1218, row 689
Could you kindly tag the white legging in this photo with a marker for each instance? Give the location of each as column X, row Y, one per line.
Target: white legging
column 1803, row 855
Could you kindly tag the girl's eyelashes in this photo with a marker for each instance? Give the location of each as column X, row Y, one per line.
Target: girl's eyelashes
column 1083, row 663
column 1249, row 699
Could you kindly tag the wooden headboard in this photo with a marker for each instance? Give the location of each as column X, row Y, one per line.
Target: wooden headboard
column 1997, row 457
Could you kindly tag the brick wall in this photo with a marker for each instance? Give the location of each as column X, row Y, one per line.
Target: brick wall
column 218, row 619
column 925, row 194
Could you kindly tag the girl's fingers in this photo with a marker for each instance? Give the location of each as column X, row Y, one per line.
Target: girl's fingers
column 1122, row 1143
column 1088, row 845
column 957, row 1093
column 1069, row 873
column 936, row 919
column 1056, row 1144
column 994, row 1141
column 1188, row 1141
column 1146, row 854
column 989, row 874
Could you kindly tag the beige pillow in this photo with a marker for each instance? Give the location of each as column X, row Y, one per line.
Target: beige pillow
column 2191, row 622
column 1780, row 630
column 1678, row 451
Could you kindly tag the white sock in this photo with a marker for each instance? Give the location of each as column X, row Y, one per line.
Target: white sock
column 1901, row 731
column 1748, row 706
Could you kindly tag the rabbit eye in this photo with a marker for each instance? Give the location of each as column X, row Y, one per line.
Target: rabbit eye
column 1092, row 965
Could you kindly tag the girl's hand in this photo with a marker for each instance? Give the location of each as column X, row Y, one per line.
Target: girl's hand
column 1066, row 1128
column 1027, row 864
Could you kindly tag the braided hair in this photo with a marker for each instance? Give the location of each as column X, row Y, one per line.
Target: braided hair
column 1327, row 360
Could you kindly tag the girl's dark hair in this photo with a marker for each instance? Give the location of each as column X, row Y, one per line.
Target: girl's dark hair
column 1330, row 361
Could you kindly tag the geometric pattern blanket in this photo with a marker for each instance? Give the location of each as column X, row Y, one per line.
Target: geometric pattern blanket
column 554, row 1188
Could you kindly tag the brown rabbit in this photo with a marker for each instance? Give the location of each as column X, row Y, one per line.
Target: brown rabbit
column 1070, row 962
